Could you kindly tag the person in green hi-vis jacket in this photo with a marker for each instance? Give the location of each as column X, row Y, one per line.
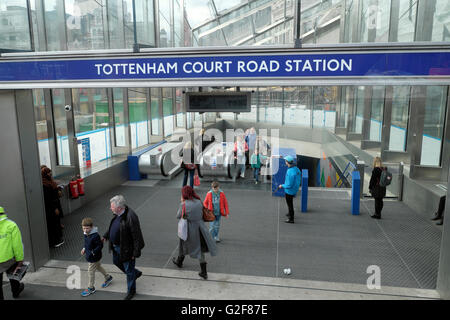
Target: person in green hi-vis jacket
column 11, row 252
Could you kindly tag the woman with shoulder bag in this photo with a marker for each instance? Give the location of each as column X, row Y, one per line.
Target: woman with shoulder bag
column 199, row 240
column 378, row 192
column 188, row 163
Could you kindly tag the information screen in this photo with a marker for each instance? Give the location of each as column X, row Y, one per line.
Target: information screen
column 218, row 101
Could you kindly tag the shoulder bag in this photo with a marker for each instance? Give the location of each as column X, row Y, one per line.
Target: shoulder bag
column 182, row 225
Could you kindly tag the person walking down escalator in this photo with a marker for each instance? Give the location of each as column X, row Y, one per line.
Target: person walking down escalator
column 240, row 148
column 188, row 163
column 378, row 192
column 439, row 214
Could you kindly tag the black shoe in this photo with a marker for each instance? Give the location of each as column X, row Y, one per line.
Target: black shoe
column 376, row 216
column 138, row 274
column 130, row 295
column 203, row 273
column 436, row 216
column 440, row 222
column 178, row 261
column 289, row 221
column 21, row 287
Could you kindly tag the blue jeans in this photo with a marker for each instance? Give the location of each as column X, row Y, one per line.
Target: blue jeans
column 214, row 226
column 256, row 173
column 191, row 173
column 127, row 267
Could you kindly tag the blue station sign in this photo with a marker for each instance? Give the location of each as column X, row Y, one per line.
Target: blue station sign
column 396, row 64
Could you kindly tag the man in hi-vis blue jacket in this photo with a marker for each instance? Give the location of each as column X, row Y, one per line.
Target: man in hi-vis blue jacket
column 291, row 185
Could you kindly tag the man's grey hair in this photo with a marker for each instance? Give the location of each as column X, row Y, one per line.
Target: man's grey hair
column 119, row 201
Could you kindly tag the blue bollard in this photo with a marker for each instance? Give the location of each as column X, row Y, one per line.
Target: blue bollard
column 356, row 186
column 304, row 190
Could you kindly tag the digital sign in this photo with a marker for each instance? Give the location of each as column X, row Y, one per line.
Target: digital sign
column 218, row 101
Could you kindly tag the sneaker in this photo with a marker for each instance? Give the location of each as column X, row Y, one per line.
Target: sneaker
column 88, row 292
column 217, row 239
column 107, row 282
column 138, row 274
column 289, row 221
column 59, row 244
column 256, row 182
column 242, row 175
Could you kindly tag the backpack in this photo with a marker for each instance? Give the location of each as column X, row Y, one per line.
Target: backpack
column 386, row 178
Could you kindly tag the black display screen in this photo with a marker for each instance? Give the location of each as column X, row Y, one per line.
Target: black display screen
column 218, row 101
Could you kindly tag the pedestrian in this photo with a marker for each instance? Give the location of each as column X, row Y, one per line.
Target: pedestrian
column 203, row 140
column 251, row 141
column 52, row 208
column 378, row 192
column 199, row 240
column 255, row 162
column 188, row 163
column 125, row 241
column 439, row 214
column 92, row 250
column 216, row 201
column 11, row 253
column 291, row 185
column 240, row 148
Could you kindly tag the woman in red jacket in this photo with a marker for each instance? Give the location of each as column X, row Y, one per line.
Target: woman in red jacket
column 217, row 202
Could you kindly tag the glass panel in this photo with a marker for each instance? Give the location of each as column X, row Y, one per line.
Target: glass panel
column 441, row 21
column 345, row 102
column 399, row 118
column 351, row 14
column 14, row 25
column 198, row 11
column 165, row 30
column 145, row 22
column 168, row 111
column 179, row 107
column 375, row 20
column 325, row 100
column 91, row 117
column 137, row 106
column 249, row 116
column 119, row 118
column 359, row 110
column 115, row 24
column 433, row 129
column 84, row 22
column 60, row 121
column 128, row 22
column 54, row 27
column 155, row 111
column 41, row 127
column 224, row 5
column 177, row 21
column 271, row 102
column 297, row 106
column 376, row 118
column 407, row 20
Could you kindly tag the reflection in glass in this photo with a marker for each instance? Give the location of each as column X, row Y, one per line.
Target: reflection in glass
column 168, row 111
column 433, row 130
column 399, row 117
column 119, row 118
column 324, row 111
column 145, row 22
column 115, row 24
column 60, row 122
column 84, row 22
column 407, row 20
column 297, row 106
column 345, row 102
column 375, row 20
column 137, row 108
column 165, row 28
column 376, row 117
column 55, row 28
column 154, row 94
column 41, row 127
column 359, row 110
column 14, row 25
column 441, row 21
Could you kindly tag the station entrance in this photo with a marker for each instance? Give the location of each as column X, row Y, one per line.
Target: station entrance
column 340, row 119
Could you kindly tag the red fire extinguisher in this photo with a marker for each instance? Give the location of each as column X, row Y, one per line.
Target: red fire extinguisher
column 80, row 184
column 73, row 186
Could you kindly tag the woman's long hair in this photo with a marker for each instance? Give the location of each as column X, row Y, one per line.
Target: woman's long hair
column 47, row 179
column 377, row 162
column 188, row 193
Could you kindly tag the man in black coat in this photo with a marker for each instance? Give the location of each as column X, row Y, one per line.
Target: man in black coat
column 125, row 241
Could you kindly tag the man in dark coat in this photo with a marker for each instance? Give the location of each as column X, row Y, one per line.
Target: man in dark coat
column 125, row 241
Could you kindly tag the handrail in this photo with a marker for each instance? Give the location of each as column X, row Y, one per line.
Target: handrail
column 343, row 173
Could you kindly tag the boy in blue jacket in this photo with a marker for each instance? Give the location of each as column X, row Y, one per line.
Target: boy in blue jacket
column 93, row 246
column 291, row 185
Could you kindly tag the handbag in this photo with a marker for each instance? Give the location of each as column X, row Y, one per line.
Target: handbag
column 182, row 225
column 196, row 180
column 208, row 215
column 20, row 273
